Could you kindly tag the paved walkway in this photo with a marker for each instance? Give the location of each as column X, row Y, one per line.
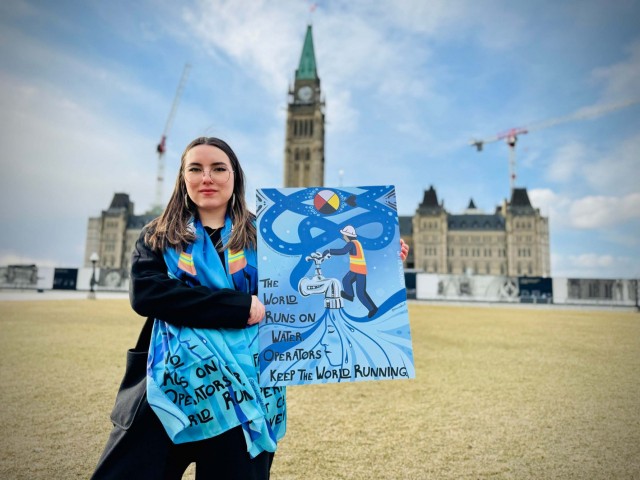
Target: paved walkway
column 31, row 295
column 533, row 306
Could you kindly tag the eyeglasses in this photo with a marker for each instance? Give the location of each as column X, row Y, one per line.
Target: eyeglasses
column 218, row 174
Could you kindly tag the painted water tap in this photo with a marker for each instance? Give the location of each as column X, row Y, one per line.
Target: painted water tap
column 318, row 284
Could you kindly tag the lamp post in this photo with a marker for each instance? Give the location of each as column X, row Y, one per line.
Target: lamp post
column 94, row 259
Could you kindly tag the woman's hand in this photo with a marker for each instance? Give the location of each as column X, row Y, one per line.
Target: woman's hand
column 404, row 250
column 256, row 312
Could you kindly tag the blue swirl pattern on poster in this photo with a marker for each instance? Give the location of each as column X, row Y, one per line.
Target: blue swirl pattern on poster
column 332, row 281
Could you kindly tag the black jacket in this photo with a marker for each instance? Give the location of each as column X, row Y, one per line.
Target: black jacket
column 154, row 294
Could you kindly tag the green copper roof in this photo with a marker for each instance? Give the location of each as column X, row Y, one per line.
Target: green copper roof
column 307, row 68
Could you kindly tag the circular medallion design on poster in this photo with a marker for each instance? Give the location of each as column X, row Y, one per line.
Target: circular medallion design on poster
column 326, row 202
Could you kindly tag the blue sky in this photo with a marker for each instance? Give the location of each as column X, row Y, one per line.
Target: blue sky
column 87, row 87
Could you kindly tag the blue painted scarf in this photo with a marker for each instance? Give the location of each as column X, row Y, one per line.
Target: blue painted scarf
column 202, row 382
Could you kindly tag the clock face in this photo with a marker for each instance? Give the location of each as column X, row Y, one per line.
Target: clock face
column 112, row 279
column 305, row 93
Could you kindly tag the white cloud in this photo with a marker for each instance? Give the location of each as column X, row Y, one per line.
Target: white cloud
column 595, row 212
column 490, row 24
column 266, row 40
column 593, row 265
column 62, row 162
column 90, row 157
column 590, row 260
column 617, row 171
column 552, row 205
column 364, row 46
column 610, row 172
column 621, row 79
column 429, row 18
column 588, row 213
column 98, row 82
column 567, row 162
column 256, row 35
column 341, row 115
column 17, row 9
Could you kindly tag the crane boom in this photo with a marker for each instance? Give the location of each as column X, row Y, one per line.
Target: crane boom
column 511, row 136
column 162, row 146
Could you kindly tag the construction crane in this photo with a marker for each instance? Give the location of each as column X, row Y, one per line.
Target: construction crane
column 162, row 146
column 511, row 136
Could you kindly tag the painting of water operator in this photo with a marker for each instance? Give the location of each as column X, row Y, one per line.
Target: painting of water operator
column 331, row 279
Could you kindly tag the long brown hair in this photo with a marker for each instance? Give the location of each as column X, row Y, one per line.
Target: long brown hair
column 170, row 230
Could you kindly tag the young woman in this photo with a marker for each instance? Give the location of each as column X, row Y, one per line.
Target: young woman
column 194, row 269
column 190, row 391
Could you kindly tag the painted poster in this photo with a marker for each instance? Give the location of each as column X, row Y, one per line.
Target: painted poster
column 331, row 279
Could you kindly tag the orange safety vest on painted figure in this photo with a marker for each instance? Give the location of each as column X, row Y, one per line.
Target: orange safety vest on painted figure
column 357, row 263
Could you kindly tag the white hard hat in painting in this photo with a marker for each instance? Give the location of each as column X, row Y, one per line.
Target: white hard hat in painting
column 349, row 231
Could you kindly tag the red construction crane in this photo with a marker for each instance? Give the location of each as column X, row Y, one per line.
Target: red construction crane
column 162, row 146
column 511, row 136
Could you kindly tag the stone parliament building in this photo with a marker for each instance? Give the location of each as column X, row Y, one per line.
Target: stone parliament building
column 113, row 236
column 511, row 241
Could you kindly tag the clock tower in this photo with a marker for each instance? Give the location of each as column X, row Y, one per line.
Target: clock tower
column 304, row 143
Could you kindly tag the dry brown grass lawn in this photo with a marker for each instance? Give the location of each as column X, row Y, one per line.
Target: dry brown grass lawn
column 500, row 393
